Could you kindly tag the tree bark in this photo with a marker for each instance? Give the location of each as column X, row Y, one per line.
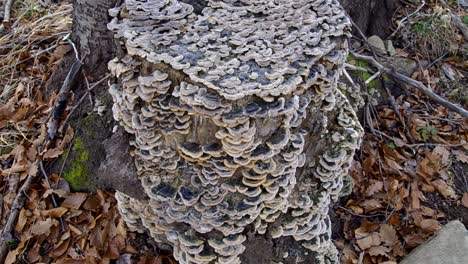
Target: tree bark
column 107, row 146
column 373, row 17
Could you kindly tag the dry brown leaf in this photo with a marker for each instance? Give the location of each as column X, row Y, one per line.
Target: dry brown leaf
column 55, row 212
column 371, row 204
column 71, row 261
column 53, row 153
column 460, row 156
column 74, row 200
column 388, row 235
column 415, row 196
column 413, row 240
column 374, row 187
column 43, row 227
column 444, row 155
column 444, row 189
column 429, row 225
column 378, row 251
column 75, row 229
column 60, row 249
column 465, row 200
column 22, row 220
column 365, row 240
column 393, row 164
column 93, row 203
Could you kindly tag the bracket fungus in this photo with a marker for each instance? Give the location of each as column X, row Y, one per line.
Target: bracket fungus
column 237, row 121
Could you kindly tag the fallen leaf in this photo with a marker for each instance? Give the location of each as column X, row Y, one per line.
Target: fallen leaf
column 429, row 225
column 378, row 251
column 366, row 241
column 43, row 227
column 74, row 200
column 443, row 188
column 55, row 212
column 460, row 156
column 22, row 220
column 71, row 261
column 388, row 235
column 374, row 187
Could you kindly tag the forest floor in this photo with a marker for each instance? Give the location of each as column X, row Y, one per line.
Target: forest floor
column 410, row 170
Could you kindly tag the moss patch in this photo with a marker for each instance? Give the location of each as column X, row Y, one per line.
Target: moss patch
column 77, row 174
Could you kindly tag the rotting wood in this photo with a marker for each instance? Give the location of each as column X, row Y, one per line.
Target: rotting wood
column 234, row 143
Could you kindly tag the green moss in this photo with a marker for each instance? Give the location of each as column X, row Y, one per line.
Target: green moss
column 78, row 175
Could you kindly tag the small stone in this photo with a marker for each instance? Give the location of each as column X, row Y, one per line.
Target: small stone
column 390, row 48
column 377, row 44
column 285, row 255
column 404, row 66
column 448, row 246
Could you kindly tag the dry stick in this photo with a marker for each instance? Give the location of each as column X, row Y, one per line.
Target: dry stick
column 409, row 81
column 1, row 207
column 18, row 203
column 62, row 99
column 396, row 109
column 54, row 201
column 7, row 13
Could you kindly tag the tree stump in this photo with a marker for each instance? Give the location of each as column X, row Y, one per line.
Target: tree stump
column 240, row 135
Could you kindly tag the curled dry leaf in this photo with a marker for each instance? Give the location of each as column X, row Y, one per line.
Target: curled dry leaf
column 55, row 212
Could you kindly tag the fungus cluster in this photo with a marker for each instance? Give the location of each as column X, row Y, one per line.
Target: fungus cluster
column 220, row 107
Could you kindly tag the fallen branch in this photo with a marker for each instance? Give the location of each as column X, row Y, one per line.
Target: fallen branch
column 7, row 13
column 18, row 203
column 62, row 99
column 409, row 81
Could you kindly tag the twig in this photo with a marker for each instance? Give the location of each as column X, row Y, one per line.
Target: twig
column 436, row 145
column 1, row 208
column 361, row 257
column 400, row 23
column 18, row 203
column 7, row 13
column 54, row 201
column 409, row 81
column 62, row 99
column 373, row 77
column 350, row 80
column 396, row 109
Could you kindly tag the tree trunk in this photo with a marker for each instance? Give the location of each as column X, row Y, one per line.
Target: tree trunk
column 373, row 17
column 110, row 151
